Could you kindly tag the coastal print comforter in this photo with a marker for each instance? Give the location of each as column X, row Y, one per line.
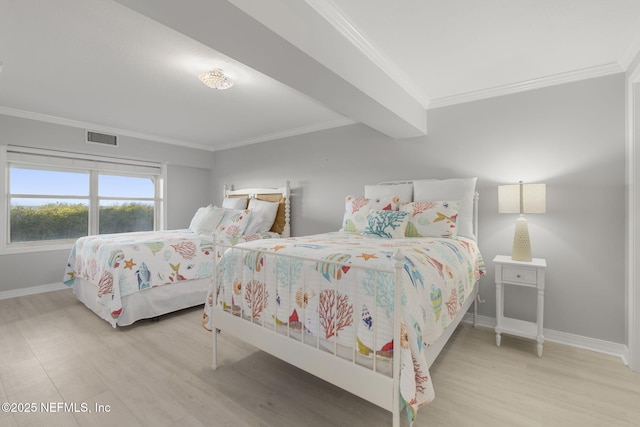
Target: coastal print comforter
column 342, row 304
column 124, row 263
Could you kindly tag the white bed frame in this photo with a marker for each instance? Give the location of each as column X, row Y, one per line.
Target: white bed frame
column 264, row 194
column 154, row 302
column 367, row 382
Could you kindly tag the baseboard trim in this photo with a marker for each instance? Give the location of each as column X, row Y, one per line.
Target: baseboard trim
column 14, row 293
column 593, row 344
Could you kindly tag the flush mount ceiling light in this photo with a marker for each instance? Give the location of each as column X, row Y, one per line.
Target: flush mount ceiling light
column 216, row 79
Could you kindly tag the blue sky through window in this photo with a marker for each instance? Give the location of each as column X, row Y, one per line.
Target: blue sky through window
column 33, row 181
column 43, row 182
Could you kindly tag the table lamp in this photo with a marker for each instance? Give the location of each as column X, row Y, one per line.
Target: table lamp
column 522, row 198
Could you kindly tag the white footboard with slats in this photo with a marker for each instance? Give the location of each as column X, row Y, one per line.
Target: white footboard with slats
column 373, row 378
column 305, row 351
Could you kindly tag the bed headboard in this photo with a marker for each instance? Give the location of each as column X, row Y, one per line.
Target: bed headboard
column 281, row 195
column 476, row 197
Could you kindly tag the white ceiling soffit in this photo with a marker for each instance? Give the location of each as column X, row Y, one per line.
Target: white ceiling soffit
column 349, row 84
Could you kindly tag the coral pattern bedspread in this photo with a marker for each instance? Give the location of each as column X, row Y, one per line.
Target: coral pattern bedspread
column 124, row 263
column 439, row 273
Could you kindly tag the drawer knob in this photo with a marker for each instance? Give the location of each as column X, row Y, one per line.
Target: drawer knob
column 518, row 276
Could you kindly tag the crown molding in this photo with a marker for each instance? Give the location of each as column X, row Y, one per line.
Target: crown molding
column 287, row 133
column 123, row 132
column 332, row 14
column 552, row 80
column 98, row 128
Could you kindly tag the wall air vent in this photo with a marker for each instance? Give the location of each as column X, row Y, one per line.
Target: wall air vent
column 102, row 138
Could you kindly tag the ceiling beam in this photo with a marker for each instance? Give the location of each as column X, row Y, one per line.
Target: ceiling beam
column 373, row 99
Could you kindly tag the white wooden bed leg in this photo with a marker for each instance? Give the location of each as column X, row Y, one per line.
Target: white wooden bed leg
column 214, row 331
column 475, row 309
column 214, row 362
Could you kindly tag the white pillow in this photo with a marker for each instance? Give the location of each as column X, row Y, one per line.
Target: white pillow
column 210, row 220
column 197, row 217
column 462, row 189
column 263, row 214
column 403, row 191
column 234, row 202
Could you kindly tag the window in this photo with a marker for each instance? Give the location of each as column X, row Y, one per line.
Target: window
column 47, row 204
column 53, row 198
column 126, row 203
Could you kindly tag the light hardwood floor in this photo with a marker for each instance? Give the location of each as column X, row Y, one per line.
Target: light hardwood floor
column 53, row 349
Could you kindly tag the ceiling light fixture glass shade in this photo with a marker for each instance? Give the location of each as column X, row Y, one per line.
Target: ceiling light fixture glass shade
column 216, row 79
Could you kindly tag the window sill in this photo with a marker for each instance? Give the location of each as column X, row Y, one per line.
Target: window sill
column 32, row 247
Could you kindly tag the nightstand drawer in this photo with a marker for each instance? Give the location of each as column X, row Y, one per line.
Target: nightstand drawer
column 519, row 275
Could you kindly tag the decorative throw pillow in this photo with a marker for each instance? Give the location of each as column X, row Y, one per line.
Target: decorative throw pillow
column 357, row 209
column 431, row 219
column 462, row 189
column 235, row 203
column 234, row 221
column 388, row 224
column 263, row 214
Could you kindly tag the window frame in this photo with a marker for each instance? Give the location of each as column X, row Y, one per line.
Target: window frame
column 74, row 162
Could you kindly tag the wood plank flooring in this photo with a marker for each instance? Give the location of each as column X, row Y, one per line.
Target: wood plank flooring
column 53, row 349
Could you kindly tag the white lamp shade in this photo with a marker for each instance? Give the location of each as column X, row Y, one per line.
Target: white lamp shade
column 534, row 197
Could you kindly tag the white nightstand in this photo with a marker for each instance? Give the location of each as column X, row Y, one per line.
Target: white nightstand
column 519, row 273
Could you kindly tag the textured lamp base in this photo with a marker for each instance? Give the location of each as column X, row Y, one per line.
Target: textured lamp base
column 521, row 243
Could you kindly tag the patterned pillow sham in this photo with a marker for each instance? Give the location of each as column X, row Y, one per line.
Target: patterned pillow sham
column 234, row 221
column 387, row 224
column 356, row 211
column 462, row 189
column 431, row 219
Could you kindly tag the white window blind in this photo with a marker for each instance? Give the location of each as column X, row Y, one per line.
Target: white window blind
column 26, row 156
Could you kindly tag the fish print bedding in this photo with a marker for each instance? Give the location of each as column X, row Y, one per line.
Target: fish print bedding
column 124, row 263
column 340, row 304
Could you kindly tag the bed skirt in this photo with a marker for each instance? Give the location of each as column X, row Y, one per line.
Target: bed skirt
column 150, row 302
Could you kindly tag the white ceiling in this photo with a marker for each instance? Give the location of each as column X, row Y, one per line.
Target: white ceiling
column 130, row 67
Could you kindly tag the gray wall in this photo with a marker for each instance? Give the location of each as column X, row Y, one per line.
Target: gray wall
column 188, row 187
column 570, row 137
